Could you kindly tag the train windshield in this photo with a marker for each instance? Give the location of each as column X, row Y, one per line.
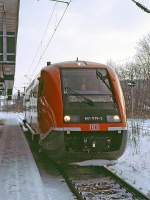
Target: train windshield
column 86, row 82
column 87, row 95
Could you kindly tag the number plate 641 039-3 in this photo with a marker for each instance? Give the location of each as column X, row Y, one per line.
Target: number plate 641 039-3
column 94, row 127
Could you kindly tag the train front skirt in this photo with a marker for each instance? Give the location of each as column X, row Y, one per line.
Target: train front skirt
column 79, row 146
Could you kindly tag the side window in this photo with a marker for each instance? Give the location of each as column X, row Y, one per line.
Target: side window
column 35, row 92
column 41, row 87
column 27, row 97
column 31, row 92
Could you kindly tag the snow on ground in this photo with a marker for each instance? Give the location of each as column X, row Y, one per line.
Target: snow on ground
column 22, row 165
column 19, row 175
column 134, row 165
column 54, row 184
column 96, row 162
column 8, row 118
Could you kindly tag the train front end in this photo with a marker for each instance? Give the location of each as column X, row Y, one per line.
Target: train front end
column 94, row 118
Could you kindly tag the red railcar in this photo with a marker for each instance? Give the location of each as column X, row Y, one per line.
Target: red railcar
column 77, row 110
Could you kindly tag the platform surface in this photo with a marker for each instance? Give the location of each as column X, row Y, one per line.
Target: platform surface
column 19, row 175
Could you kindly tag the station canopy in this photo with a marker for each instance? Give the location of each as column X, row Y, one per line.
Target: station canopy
column 9, row 12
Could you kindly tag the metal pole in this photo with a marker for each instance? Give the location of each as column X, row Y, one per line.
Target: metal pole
column 132, row 102
column 132, row 97
column 24, row 103
column 131, row 84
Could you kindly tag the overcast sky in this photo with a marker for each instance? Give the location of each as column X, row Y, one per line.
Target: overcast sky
column 94, row 30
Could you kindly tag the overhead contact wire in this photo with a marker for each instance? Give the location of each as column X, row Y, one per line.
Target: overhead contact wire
column 44, row 33
column 141, row 6
column 52, row 36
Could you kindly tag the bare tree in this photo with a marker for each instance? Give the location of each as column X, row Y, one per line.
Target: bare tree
column 139, row 71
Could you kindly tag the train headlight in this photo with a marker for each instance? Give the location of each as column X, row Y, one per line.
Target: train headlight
column 72, row 118
column 113, row 118
column 67, row 118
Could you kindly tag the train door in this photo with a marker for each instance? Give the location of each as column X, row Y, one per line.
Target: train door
column 40, row 104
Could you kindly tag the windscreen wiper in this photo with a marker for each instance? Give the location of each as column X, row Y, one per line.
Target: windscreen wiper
column 100, row 75
column 70, row 91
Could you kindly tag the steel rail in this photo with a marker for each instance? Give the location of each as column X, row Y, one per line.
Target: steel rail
column 131, row 189
column 124, row 183
column 70, row 184
column 106, row 171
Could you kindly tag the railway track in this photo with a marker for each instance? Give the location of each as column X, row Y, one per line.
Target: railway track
column 95, row 183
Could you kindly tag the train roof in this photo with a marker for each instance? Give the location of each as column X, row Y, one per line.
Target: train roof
column 69, row 64
column 76, row 64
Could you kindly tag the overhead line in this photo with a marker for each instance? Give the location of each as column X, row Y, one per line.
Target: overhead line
column 38, row 48
column 60, row 1
column 141, row 6
column 52, row 36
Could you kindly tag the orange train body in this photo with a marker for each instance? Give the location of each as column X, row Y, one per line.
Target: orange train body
column 77, row 109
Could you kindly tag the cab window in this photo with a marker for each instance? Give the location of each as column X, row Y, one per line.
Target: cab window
column 41, row 87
